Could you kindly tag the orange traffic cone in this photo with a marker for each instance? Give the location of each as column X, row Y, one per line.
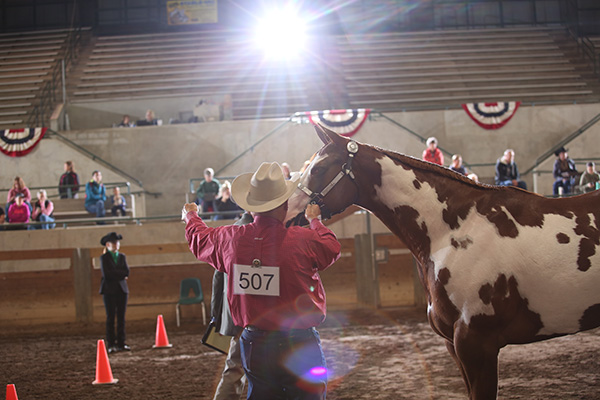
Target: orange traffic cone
column 162, row 341
column 104, row 374
column 11, row 392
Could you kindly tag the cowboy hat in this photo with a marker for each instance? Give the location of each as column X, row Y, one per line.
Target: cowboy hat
column 111, row 237
column 264, row 190
column 561, row 149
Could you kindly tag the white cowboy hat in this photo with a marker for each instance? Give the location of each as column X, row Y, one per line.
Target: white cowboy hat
column 264, row 190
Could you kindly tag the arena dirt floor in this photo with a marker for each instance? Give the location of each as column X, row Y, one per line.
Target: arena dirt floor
column 388, row 354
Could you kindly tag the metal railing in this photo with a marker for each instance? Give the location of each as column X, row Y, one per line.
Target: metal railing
column 40, row 115
column 53, row 190
column 66, row 223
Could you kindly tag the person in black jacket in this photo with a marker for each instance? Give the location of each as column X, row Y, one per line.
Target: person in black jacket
column 68, row 185
column 115, row 291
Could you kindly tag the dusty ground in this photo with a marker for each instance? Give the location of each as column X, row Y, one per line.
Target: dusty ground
column 392, row 354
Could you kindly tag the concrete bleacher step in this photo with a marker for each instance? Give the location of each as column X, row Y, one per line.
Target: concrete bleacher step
column 15, row 105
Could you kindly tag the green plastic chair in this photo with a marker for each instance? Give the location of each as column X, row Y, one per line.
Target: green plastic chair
column 190, row 292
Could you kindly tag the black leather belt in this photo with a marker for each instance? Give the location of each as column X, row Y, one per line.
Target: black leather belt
column 252, row 328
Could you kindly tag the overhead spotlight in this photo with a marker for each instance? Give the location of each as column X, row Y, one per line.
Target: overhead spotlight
column 281, row 34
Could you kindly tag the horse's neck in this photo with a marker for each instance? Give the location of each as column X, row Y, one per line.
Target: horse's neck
column 407, row 202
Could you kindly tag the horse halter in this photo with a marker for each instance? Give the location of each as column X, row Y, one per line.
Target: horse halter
column 317, row 198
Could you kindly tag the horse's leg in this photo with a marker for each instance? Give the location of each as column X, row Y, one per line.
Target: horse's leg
column 478, row 354
column 450, row 347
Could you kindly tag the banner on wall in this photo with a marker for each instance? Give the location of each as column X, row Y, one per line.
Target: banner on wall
column 491, row 115
column 189, row 12
column 19, row 142
column 344, row 122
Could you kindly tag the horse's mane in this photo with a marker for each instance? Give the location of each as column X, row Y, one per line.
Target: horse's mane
column 416, row 163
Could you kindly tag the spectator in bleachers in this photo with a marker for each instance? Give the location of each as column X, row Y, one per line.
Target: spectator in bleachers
column 18, row 212
column 225, row 203
column 207, row 191
column 457, row 165
column 126, row 122
column 95, row 196
column 2, row 218
column 118, row 203
column 507, row 172
column 68, row 185
column 42, row 211
column 150, row 119
column 589, row 179
column 19, row 187
column 432, row 153
column 564, row 172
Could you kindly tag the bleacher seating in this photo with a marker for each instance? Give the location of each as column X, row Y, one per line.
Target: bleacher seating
column 398, row 70
column 74, row 209
column 202, row 64
column 386, row 71
column 26, row 61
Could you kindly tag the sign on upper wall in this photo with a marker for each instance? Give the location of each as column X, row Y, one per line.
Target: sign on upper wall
column 192, row 12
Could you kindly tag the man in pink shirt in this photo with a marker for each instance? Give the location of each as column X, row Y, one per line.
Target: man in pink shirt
column 274, row 288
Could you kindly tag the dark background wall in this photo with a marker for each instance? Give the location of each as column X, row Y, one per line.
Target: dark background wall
column 137, row 16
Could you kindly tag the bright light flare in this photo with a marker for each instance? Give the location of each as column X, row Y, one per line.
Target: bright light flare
column 281, row 34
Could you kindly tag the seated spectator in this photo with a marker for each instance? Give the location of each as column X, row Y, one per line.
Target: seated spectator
column 126, row 122
column 117, row 202
column 18, row 212
column 205, row 112
column 564, row 172
column 589, row 179
column 68, row 185
column 207, row 191
column 225, row 203
column 457, row 165
column 42, row 211
column 432, row 153
column 95, row 196
column 150, row 119
column 2, row 218
column 18, row 188
column 507, row 173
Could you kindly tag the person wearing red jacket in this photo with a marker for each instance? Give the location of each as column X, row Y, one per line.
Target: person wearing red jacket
column 274, row 289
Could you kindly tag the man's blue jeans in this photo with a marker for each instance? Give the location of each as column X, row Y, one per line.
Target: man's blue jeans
column 97, row 209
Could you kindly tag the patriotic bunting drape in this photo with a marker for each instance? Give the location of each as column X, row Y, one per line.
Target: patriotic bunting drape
column 19, row 142
column 491, row 115
column 344, row 122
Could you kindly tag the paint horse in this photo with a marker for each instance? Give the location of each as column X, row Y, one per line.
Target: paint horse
column 499, row 265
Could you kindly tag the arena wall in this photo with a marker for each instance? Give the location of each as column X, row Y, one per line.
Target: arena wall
column 165, row 157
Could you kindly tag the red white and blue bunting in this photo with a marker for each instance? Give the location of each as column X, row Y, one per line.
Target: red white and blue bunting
column 19, row 142
column 491, row 115
column 344, row 122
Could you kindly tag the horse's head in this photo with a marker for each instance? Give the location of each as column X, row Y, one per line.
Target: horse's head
column 328, row 180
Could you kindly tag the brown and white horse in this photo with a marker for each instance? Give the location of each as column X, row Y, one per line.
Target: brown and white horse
column 500, row 265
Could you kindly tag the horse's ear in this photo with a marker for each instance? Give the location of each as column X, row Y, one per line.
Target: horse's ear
column 327, row 135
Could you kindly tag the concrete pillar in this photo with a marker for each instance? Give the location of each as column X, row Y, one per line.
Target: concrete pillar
column 82, row 279
column 367, row 277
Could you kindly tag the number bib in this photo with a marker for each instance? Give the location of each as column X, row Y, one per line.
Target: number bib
column 262, row 281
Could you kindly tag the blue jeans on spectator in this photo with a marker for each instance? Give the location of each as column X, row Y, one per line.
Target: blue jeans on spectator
column 118, row 210
column 43, row 218
column 97, row 209
column 566, row 184
column 509, row 182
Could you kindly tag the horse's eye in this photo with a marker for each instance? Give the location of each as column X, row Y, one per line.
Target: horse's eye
column 316, row 171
